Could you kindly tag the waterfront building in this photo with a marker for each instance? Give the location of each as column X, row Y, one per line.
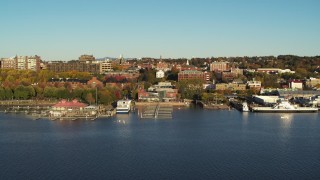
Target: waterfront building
column 163, row 91
column 148, row 96
column 64, row 108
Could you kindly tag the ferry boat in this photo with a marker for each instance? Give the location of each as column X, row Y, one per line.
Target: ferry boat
column 123, row 106
column 245, row 107
column 285, row 106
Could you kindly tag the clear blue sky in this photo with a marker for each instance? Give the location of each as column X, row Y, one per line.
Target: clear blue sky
column 65, row 29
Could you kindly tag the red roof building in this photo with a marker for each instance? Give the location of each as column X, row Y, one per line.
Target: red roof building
column 69, row 105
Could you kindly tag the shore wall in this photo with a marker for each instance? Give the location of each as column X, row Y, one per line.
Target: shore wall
column 161, row 103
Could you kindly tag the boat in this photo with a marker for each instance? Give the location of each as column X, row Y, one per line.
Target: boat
column 123, row 106
column 285, row 106
column 245, row 107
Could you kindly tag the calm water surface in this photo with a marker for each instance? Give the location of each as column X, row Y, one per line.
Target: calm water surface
column 195, row 144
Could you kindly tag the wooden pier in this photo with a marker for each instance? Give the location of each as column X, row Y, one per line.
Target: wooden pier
column 157, row 112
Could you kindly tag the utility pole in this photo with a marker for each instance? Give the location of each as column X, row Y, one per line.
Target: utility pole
column 96, row 96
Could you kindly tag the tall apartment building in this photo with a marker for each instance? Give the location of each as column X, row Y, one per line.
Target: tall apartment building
column 59, row 66
column 33, row 63
column 219, row 66
column 105, row 66
column 8, row 63
column 21, row 63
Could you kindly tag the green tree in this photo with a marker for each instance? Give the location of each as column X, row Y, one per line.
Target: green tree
column 21, row 92
column 50, row 92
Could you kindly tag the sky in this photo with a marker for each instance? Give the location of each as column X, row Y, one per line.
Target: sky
column 66, row 29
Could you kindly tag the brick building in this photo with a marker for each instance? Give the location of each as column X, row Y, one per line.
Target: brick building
column 59, row 66
column 22, row 63
column 192, row 74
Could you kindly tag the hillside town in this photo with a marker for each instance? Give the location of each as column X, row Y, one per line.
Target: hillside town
column 210, row 81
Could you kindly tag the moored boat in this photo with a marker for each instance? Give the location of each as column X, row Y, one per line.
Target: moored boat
column 245, row 107
column 285, row 106
column 123, row 106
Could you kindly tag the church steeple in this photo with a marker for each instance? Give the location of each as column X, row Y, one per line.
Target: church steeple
column 187, row 62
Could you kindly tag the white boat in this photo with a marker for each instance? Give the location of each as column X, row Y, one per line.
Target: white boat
column 285, row 106
column 245, row 107
column 123, row 106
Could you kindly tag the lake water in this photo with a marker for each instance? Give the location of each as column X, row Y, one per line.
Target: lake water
column 195, row 144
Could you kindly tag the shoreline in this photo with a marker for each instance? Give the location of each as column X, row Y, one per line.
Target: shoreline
column 176, row 104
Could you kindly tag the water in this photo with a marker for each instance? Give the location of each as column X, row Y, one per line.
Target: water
column 195, row 144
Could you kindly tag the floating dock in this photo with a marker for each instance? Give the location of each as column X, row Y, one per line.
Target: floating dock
column 157, row 112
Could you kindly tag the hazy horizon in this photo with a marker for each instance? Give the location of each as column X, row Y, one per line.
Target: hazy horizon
column 64, row 30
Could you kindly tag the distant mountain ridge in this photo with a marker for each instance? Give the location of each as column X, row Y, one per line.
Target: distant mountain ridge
column 101, row 59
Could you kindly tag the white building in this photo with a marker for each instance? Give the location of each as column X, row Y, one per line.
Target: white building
column 287, row 71
column 33, row 63
column 160, row 74
column 21, row 62
column 296, row 85
column 254, row 84
column 274, row 70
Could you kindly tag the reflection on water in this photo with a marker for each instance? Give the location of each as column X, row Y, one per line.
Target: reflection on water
column 286, row 120
column 245, row 116
column 195, row 144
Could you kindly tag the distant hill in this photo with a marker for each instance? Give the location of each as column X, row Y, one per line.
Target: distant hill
column 112, row 58
column 101, row 59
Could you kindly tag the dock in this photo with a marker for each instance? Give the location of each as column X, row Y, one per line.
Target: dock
column 157, row 112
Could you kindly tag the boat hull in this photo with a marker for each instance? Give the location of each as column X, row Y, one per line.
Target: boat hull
column 122, row 111
column 285, row 110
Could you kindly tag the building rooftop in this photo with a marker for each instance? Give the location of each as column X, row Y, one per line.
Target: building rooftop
column 69, row 104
